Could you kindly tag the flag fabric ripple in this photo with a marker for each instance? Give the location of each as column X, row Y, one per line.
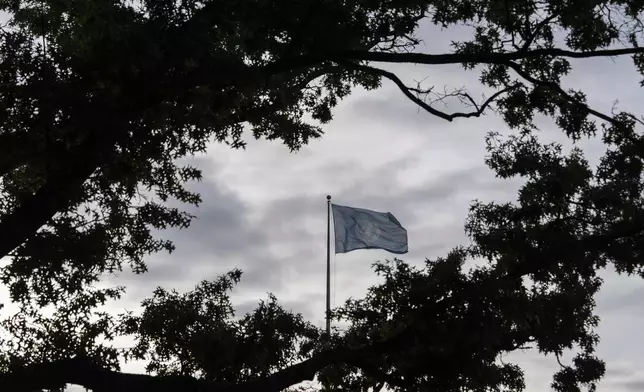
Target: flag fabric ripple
column 359, row 228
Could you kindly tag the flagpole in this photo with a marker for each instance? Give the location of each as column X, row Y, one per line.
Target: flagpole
column 328, row 265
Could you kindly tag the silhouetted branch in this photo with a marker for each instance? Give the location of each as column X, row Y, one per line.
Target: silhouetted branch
column 60, row 188
column 557, row 88
column 536, row 30
column 408, row 93
column 394, row 78
column 83, row 372
column 473, row 58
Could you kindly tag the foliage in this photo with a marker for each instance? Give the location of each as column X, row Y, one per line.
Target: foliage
column 74, row 328
column 196, row 334
column 102, row 99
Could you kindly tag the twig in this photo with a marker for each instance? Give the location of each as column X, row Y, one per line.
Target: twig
column 407, row 91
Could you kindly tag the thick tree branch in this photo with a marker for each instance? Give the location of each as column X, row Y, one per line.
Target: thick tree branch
column 83, row 372
column 479, row 58
column 302, row 61
column 57, row 193
column 61, row 187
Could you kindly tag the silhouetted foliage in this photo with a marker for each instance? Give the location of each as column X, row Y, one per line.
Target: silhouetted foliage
column 100, row 101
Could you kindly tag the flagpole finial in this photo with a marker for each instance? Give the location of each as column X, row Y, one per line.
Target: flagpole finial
column 328, row 197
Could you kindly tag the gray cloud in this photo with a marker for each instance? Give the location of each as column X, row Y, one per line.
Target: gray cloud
column 407, row 115
column 220, row 232
column 220, row 226
column 433, row 213
column 631, row 301
column 614, row 371
column 633, row 385
column 623, row 376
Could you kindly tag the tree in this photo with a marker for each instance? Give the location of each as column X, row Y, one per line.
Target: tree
column 101, row 98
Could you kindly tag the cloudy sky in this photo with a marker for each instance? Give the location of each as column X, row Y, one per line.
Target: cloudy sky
column 264, row 208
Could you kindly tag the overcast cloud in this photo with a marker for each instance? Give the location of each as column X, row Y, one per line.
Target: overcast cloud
column 264, row 209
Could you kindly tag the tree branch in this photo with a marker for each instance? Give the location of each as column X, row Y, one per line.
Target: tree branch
column 302, row 61
column 83, row 372
column 408, row 93
column 536, row 30
column 557, row 88
column 480, row 58
column 62, row 185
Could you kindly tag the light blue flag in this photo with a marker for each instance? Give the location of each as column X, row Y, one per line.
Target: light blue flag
column 357, row 228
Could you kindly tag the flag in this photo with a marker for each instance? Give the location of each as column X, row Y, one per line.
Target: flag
column 358, row 228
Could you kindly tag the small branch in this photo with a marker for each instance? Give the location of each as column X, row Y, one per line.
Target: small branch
column 554, row 86
column 391, row 76
column 408, row 93
column 636, row 119
column 536, row 30
column 558, row 356
column 480, row 109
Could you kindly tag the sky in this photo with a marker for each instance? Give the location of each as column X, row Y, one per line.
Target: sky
column 264, row 208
